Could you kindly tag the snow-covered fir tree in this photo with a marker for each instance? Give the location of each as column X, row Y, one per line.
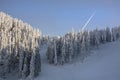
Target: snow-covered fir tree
column 71, row 45
column 63, row 52
column 108, row 34
column 19, row 47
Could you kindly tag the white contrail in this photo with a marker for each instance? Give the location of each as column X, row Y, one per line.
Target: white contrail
column 88, row 21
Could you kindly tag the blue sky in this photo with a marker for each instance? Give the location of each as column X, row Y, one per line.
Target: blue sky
column 57, row 17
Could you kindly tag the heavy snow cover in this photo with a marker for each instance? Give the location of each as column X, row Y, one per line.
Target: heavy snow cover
column 102, row 64
column 19, row 48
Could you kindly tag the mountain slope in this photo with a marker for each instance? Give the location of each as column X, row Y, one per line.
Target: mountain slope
column 103, row 64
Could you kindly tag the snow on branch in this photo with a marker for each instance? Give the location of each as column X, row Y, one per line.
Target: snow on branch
column 65, row 48
column 19, row 47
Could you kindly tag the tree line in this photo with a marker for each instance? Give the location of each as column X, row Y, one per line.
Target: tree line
column 64, row 49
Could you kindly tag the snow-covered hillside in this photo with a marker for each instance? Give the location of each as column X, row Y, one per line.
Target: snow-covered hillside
column 21, row 47
column 102, row 64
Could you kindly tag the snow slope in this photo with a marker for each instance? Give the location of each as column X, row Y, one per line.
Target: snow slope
column 103, row 64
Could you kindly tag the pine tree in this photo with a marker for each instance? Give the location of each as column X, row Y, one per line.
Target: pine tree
column 79, row 40
column 63, row 52
column 70, row 51
column 55, row 53
column 108, row 34
column 16, row 50
column 97, row 38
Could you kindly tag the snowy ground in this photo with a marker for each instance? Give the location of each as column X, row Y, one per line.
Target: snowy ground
column 104, row 64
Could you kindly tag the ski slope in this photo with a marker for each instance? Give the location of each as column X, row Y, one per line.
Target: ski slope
column 102, row 64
